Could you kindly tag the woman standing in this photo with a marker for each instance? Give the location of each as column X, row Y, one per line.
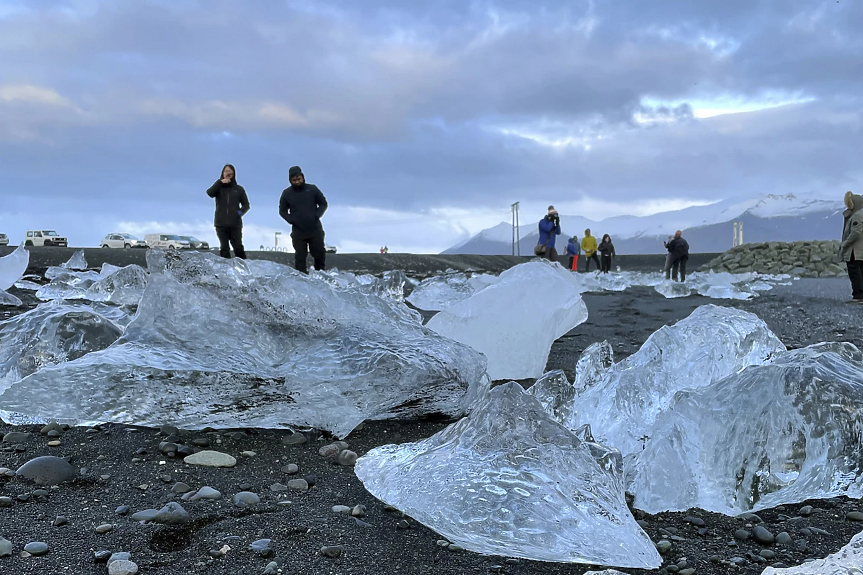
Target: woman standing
column 232, row 203
column 606, row 250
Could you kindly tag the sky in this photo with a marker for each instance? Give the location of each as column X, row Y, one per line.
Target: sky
column 421, row 122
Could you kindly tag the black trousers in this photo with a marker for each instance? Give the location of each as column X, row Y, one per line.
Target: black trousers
column 550, row 254
column 606, row 263
column 232, row 235
column 679, row 264
column 305, row 245
column 589, row 259
column 855, row 274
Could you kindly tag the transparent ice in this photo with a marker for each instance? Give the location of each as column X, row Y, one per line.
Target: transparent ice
column 214, row 344
column 508, row 480
column 122, row 286
column 7, row 299
column 620, row 403
column 772, row 434
column 76, row 262
column 390, row 286
column 13, row 267
column 439, row 292
column 514, row 321
column 50, row 334
column 592, row 365
column 846, row 561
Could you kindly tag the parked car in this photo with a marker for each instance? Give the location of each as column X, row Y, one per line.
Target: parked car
column 169, row 241
column 330, row 249
column 45, row 238
column 195, row 243
column 122, row 241
column 4, row 240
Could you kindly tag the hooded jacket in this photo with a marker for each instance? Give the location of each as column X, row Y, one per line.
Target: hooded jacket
column 548, row 231
column 678, row 248
column 606, row 248
column 572, row 248
column 302, row 206
column 232, row 203
column 588, row 244
column 852, row 230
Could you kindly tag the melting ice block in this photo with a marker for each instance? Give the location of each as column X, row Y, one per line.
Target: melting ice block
column 620, row 403
column 213, row 344
column 772, row 434
column 508, row 480
column 846, row 561
column 121, row 286
column 515, row 320
column 390, row 286
column 440, row 292
column 51, row 334
column 76, row 262
column 13, row 267
column 7, row 299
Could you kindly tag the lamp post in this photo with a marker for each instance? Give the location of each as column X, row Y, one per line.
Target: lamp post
column 276, row 240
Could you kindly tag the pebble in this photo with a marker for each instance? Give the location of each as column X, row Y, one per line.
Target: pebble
column 122, row 568
column 246, row 499
column 165, row 448
column 201, row 442
column 101, row 556
column 184, row 451
column 403, row 524
column 854, row 516
column 272, row 568
column 806, row 511
column 53, row 434
column 104, row 528
column 442, row 543
column 311, row 479
column 697, row 521
column 145, row 515
column 332, row 450
column 359, row 511
column 687, row 571
column 122, row 510
column 763, row 536
column 742, row 534
column 262, row 547
column 53, row 426
column 16, row 437
column 119, row 556
column 361, row 523
column 347, row 458
column 169, row 430
column 5, row 547
column 332, row 551
column 278, row 487
column 751, row 517
column 206, row 493
column 300, row 484
column 60, row 521
column 294, row 439
column 455, row 548
column 291, row 469
column 36, row 548
column 341, row 509
column 768, row 554
column 819, row 531
column 5, row 502
column 181, row 488
column 54, row 443
column 211, row 459
column 663, row 546
column 171, row 514
column 248, row 453
column 784, row 538
column 738, row 560
column 47, row 470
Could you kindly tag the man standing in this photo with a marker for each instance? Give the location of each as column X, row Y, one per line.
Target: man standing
column 588, row 244
column 851, row 248
column 232, row 203
column 549, row 229
column 302, row 206
column 678, row 248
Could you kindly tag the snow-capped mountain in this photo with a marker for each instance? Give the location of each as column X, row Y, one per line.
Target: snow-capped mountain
column 707, row 228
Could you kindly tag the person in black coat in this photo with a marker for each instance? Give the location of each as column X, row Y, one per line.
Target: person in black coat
column 606, row 252
column 678, row 248
column 302, row 205
column 232, row 203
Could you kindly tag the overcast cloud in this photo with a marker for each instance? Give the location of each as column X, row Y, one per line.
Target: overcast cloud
column 420, row 121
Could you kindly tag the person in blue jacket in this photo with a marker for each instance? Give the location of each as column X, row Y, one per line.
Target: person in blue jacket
column 573, row 250
column 549, row 228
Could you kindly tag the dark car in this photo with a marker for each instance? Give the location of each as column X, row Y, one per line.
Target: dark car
column 4, row 240
column 195, row 243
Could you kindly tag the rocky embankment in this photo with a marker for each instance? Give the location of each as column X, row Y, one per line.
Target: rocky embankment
column 812, row 259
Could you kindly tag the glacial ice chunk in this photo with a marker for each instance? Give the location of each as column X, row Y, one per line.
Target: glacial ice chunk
column 48, row 335
column 440, row 292
column 769, row 435
column 514, row 321
column 592, row 365
column 846, row 561
column 710, row 344
column 508, row 480
column 13, row 267
column 213, row 344
column 76, row 262
column 391, row 285
column 672, row 289
column 7, row 299
column 121, row 286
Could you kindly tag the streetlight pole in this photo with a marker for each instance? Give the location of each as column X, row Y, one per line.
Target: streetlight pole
column 516, row 239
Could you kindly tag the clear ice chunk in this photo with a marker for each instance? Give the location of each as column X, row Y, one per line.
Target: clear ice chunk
column 772, row 434
column 440, row 292
column 7, row 299
column 514, row 321
column 508, row 480
column 76, row 262
column 48, row 335
column 712, row 343
column 13, row 267
column 213, row 344
column 847, row 561
column 592, row 365
column 390, row 286
column 672, row 289
column 122, row 286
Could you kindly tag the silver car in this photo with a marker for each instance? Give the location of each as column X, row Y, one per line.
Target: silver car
column 195, row 243
column 122, row 241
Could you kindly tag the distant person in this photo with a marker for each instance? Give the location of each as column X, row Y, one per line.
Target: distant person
column 382, row 249
column 678, row 249
column 588, row 244
column 302, row 206
column 851, row 248
column 606, row 251
column 573, row 250
column 386, row 249
column 232, row 203
column 549, row 229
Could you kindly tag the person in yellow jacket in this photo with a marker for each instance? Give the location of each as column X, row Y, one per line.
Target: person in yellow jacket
column 588, row 245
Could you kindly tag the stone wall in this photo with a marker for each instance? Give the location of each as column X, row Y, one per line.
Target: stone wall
column 801, row 259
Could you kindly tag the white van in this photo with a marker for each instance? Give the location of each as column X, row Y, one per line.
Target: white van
column 45, row 238
column 167, row 241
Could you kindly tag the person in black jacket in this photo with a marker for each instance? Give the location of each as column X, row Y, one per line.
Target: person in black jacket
column 232, row 203
column 678, row 248
column 302, row 206
column 606, row 251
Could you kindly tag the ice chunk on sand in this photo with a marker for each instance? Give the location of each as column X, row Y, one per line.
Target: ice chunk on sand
column 390, row 286
column 7, row 299
column 508, row 480
column 440, row 292
column 76, row 262
column 121, row 286
column 770, row 435
column 846, row 561
column 672, row 289
column 515, row 320
column 710, row 344
column 51, row 334
column 213, row 344
column 592, row 365
column 13, row 267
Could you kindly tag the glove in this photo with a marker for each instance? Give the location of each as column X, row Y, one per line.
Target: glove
column 240, row 213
